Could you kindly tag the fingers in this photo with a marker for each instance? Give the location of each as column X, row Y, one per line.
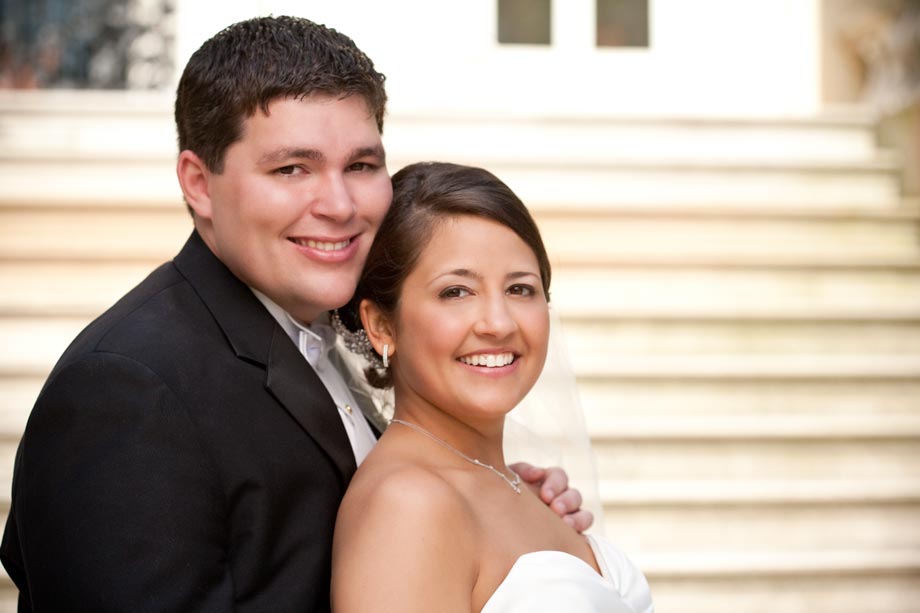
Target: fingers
column 554, row 483
column 580, row 521
column 529, row 473
column 567, row 502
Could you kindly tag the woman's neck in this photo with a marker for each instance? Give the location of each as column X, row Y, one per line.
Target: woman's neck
column 480, row 440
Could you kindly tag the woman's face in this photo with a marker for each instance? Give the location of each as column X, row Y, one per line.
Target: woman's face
column 472, row 326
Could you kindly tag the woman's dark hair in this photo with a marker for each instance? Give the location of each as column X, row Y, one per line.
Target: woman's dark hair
column 425, row 195
column 252, row 63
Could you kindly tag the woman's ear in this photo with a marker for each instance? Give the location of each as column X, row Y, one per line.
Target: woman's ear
column 378, row 327
column 193, row 175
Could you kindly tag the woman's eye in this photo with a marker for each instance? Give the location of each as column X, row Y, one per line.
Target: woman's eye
column 521, row 290
column 454, row 292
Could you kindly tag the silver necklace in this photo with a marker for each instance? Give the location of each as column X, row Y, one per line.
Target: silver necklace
column 514, row 484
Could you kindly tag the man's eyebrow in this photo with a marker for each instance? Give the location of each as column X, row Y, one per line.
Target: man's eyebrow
column 288, row 153
column 375, row 151
column 284, row 154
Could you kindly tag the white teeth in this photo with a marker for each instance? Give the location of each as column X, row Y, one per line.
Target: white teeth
column 322, row 245
column 327, row 246
column 489, row 360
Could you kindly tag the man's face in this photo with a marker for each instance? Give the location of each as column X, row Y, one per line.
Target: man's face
column 299, row 201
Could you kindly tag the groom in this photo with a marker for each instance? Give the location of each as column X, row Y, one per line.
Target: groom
column 185, row 454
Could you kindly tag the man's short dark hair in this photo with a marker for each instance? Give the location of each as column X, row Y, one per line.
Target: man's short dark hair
column 252, row 63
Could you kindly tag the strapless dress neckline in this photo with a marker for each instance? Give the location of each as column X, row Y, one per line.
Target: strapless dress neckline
column 550, row 581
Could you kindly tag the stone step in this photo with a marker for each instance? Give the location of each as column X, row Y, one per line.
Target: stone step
column 586, row 139
column 9, row 595
column 640, row 408
column 587, row 338
column 782, row 459
column 115, row 181
column 17, row 395
column 51, row 233
column 124, row 124
column 788, row 582
column 7, row 460
column 743, row 426
column 745, row 366
column 722, row 516
column 622, row 235
column 652, row 529
column 694, row 515
column 72, row 288
column 34, row 345
column 713, row 493
column 856, row 187
column 781, row 563
column 726, row 290
column 609, row 401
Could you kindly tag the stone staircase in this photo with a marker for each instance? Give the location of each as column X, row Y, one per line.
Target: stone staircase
column 741, row 301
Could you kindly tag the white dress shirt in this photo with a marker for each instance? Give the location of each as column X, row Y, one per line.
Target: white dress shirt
column 315, row 342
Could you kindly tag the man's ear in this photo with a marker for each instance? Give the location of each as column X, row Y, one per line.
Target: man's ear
column 194, row 176
column 378, row 327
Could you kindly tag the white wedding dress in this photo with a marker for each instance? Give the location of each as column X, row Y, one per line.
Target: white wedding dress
column 553, row 581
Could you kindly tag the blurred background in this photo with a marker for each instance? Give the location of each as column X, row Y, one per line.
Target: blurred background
column 729, row 193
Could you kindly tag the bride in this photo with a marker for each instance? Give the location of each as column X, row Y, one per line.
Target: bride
column 454, row 304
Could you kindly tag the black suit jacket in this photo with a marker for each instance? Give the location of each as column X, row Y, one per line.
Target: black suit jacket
column 182, row 456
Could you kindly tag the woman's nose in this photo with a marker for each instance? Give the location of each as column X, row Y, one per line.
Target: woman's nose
column 496, row 319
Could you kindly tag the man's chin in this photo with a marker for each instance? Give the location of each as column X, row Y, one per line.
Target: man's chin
column 331, row 299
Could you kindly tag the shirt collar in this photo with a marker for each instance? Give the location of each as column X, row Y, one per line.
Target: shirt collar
column 314, row 340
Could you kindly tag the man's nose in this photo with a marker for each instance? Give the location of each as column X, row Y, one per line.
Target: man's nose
column 333, row 199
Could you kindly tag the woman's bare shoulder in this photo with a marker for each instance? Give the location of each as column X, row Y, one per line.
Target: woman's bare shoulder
column 402, row 531
column 399, row 487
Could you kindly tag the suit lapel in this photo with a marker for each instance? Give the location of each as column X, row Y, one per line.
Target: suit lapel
column 295, row 384
column 256, row 337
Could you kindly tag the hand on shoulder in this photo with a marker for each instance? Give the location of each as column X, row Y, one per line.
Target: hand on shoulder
column 551, row 485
